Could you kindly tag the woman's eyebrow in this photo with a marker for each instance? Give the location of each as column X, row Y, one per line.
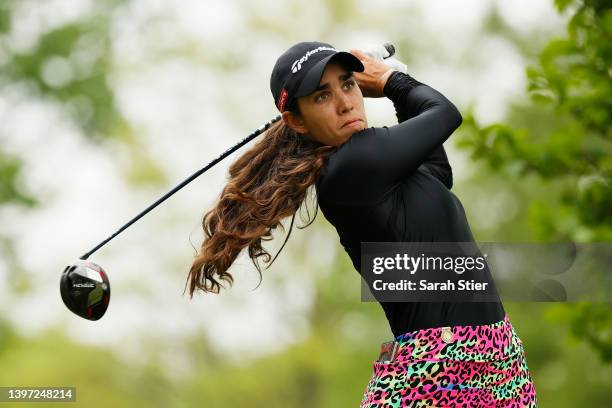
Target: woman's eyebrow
column 342, row 77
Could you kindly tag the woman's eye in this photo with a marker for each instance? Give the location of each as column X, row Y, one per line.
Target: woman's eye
column 320, row 97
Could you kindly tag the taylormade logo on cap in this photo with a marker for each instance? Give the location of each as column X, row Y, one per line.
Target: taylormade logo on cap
column 295, row 68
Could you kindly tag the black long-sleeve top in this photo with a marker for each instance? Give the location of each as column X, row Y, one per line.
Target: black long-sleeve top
column 392, row 184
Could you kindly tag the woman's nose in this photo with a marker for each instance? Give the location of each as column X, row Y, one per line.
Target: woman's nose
column 344, row 102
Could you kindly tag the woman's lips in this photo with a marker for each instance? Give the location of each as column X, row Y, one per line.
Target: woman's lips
column 353, row 123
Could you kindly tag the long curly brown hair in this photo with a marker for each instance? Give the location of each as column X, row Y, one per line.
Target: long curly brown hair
column 266, row 184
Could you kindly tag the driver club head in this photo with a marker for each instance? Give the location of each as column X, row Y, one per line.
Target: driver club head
column 85, row 289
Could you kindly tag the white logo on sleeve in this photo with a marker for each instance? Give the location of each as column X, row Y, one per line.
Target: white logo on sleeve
column 297, row 64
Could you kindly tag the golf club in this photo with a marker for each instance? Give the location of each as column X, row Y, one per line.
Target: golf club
column 84, row 285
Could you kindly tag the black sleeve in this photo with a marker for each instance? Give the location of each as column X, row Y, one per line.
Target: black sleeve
column 437, row 162
column 374, row 160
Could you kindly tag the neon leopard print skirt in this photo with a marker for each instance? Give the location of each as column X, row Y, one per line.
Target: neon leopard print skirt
column 455, row 366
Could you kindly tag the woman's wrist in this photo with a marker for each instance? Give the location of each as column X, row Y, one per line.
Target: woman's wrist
column 384, row 78
column 399, row 83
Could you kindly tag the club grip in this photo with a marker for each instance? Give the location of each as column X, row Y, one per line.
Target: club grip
column 384, row 53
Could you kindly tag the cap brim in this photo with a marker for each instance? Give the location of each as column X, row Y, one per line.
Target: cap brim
column 313, row 77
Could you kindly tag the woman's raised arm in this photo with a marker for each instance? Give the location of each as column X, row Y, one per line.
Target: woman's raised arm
column 374, row 160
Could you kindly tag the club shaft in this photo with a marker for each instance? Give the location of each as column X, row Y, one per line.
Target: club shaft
column 185, row 182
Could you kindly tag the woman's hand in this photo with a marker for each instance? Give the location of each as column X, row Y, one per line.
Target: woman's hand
column 374, row 77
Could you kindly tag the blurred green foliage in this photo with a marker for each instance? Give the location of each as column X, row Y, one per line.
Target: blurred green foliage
column 563, row 139
column 10, row 190
column 5, row 16
column 71, row 66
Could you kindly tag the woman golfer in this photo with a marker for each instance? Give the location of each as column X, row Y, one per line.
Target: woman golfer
column 387, row 184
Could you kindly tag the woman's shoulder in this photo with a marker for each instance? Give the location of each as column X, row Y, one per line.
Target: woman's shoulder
column 349, row 174
column 339, row 163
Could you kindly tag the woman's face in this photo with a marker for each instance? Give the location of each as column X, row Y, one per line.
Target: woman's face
column 332, row 113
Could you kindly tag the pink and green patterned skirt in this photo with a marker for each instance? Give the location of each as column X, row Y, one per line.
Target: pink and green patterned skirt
column 454, row 366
